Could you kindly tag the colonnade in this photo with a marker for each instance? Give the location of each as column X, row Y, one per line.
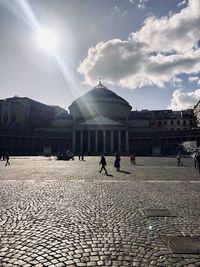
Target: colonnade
column 100, row 141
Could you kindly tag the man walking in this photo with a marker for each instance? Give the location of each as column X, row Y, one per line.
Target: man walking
column 103, row 164
column 179, row 163
column 7, row 156
column 195, row 160
column 198, row 161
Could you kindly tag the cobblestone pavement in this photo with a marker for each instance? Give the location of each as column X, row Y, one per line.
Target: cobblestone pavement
column 58, row 213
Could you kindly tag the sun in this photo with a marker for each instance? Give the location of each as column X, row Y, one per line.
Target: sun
column 47, row 40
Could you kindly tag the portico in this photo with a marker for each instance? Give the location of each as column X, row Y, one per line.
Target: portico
column 91, row 141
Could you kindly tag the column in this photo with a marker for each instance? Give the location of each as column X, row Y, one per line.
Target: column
column 73, row 141
column 88, row 141
column 96, row 141
column 119, row 141
column 33, row 146
column 104, row 141
column 127, row 141
column 112, row 141
column 81, row 143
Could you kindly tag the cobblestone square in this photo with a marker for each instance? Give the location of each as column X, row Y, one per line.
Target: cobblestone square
column 65, row 213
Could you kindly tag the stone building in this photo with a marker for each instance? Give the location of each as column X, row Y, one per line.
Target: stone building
column 98, row 122
column 23, row 113
column 197, row 113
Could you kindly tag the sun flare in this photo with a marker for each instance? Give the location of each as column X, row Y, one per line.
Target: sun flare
column 47, row 40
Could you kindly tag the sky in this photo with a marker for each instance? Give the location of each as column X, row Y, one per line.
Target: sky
column 146, row 51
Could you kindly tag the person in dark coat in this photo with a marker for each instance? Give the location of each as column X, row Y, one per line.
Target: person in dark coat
column 132, row 158
column 178, row 157
column 198, row 161
column 82, row 156
column 7, row 156
column 117, row 162
column 195, row 160
column 103, row 164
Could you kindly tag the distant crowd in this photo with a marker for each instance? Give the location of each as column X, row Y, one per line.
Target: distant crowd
column 5, row 157
column 69, row 155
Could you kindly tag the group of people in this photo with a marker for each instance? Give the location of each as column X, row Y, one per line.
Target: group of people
column 116, row 162
column 5, row 156
column 196, row 160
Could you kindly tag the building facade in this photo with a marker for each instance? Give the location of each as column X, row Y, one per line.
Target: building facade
column 197, row 113
column 98, row 122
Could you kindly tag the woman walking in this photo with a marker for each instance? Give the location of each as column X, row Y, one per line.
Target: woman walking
column 117, row 162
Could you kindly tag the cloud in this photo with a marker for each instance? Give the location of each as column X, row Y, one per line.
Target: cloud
column 194, row 79
column 177, row 33
column 182, row 3
column 162, row 49
column 140, row 4
column 118, row 11
column 181, row 100
column 176, row 81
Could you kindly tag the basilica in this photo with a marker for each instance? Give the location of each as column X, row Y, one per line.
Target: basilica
column 99, row 122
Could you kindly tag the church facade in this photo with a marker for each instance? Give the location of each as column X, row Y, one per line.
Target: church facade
column 98, row 122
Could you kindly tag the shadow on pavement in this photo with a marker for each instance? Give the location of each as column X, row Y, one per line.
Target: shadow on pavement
column 125, row 172
column 110, row 175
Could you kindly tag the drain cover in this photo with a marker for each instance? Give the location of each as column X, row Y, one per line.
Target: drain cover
column 158, row 213
column 183, row 244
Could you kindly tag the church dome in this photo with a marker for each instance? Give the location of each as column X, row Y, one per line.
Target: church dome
column 100, row 101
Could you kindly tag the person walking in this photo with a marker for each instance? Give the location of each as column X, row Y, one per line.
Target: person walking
column 82, row 156
column 103, row 164
column 198, row 161
column 195, row 160
column 132, row 158
column 7, row 156
column 178, row 157
column 117, row 162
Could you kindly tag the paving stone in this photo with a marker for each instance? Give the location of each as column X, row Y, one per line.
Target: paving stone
column 49, row 216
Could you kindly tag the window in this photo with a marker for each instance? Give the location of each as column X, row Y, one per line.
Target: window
column 178, row 122
column 172, row 122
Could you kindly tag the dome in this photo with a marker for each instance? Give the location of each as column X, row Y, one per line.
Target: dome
column 100, row 101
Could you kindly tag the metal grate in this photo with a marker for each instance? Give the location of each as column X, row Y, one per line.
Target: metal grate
column 158, row 213
column 183, row 244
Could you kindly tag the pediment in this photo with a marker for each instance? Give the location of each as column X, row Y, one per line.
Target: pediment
column 100, row 120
